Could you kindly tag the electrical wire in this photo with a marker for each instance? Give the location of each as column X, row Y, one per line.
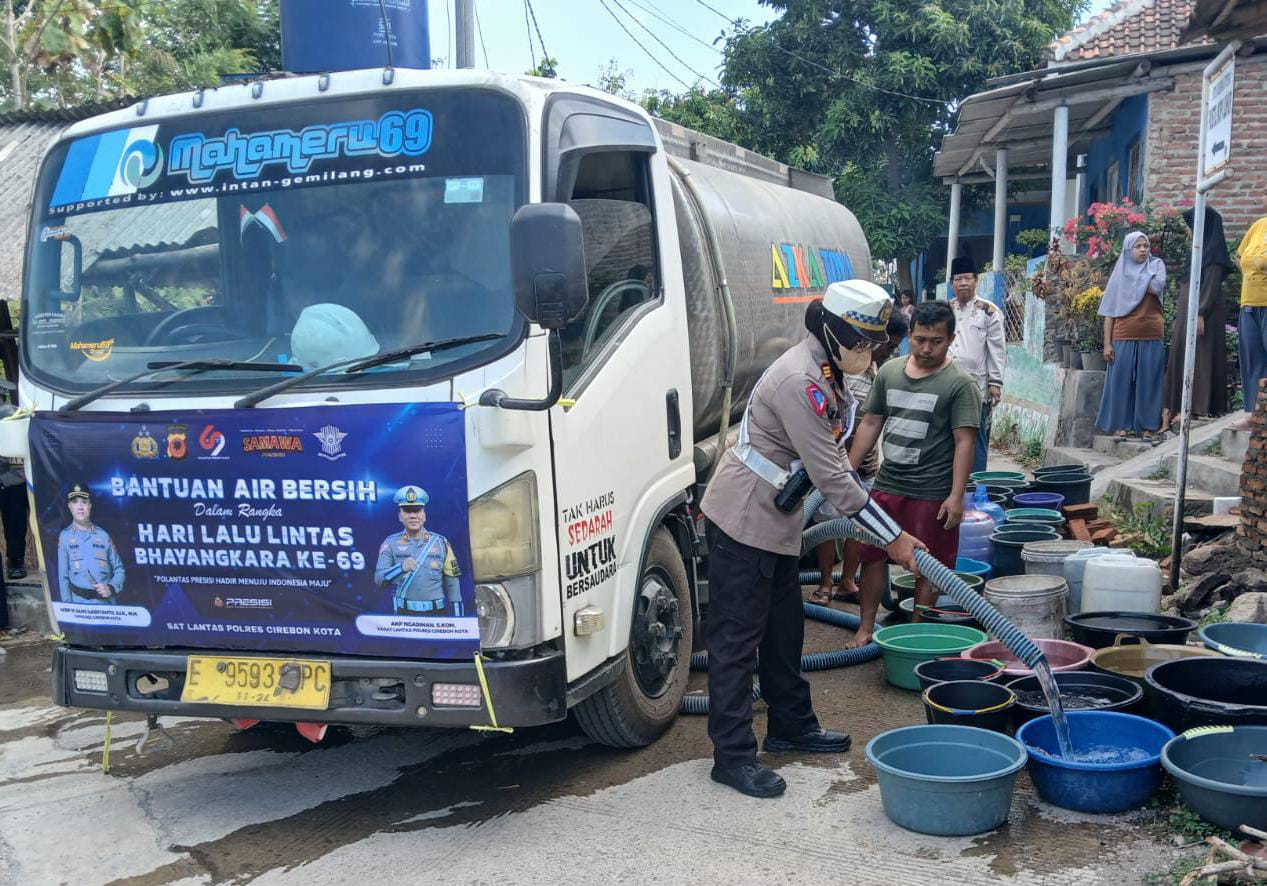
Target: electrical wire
column 448, row 35
column 532, row 51
column 542, row 40
column 709, row 6
column 479, row 29
column 673, row 54
column 652, row 10
column 638, row 43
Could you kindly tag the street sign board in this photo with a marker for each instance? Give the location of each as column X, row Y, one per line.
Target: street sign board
column 1219, row 86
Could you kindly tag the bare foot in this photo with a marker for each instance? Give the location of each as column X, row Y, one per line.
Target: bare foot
column 862, row 638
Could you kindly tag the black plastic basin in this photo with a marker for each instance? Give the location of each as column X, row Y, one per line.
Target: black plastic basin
column 944, row 670
column 1101, row 629
column 1079, row 691
column 1208, row 692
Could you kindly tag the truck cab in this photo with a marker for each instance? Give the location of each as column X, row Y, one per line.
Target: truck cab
column 254, row 318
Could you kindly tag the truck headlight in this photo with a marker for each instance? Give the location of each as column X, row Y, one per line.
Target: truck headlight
column 504, row 537
column 496, row 615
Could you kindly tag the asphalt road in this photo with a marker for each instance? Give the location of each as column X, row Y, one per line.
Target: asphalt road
column 377, row 806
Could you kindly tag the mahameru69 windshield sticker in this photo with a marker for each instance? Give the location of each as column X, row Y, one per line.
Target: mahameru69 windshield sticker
column 149, row 164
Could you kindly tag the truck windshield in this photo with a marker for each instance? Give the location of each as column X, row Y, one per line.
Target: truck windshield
column 306, row 234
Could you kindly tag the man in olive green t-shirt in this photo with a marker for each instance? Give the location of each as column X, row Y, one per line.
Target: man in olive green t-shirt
column 929, row 410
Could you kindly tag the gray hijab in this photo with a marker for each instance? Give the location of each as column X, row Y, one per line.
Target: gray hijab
column 1131, row 280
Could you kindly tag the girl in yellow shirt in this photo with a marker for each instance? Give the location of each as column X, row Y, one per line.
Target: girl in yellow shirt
column 1251, row 255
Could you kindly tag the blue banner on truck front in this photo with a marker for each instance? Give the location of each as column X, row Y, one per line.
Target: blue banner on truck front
column 338, row 529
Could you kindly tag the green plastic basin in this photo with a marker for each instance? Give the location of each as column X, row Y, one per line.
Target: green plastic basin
column 905, row 646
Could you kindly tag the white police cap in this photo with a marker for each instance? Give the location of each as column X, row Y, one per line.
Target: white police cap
column 411, row 497
column 862, row 304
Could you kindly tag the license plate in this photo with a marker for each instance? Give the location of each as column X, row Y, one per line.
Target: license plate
column 257, row 682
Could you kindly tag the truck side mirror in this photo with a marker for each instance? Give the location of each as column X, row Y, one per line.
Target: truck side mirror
column 547, row 264
column 70, row 269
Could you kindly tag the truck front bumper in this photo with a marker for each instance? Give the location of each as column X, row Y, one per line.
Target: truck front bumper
column 528, row 692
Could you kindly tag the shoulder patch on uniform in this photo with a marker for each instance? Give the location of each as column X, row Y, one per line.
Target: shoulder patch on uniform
column 817, row 399
column 990, row 307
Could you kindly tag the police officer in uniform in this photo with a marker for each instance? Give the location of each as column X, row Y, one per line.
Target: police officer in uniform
column 89, row 569
column 419, row 565
column 797, row 416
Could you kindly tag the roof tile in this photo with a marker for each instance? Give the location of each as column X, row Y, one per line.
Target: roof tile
column 1127, row 27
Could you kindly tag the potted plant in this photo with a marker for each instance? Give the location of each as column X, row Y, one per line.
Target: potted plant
column 1086, row 309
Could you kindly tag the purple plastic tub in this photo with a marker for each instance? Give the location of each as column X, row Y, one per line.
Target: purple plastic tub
column 1051, row 500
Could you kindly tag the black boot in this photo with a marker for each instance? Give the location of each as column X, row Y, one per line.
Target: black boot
column 816, row 741
column 752, row 779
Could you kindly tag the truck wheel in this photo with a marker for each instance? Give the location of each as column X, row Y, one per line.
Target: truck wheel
column 643, row 701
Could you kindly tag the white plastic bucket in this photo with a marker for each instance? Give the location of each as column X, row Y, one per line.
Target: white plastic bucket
column 1048, row 557
column 1035, row 604
column 1121, row 584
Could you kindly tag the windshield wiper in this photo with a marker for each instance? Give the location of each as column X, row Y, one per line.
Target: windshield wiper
column 193, row 366
column 361, row 363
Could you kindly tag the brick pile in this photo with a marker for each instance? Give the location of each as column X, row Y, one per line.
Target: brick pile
column 1253, row 529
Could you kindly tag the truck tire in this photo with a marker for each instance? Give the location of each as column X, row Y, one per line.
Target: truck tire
column 643, row 701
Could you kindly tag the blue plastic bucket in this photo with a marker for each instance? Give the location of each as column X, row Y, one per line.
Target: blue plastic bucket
column 972, row 567
column 1124, row 774
column 947, row 781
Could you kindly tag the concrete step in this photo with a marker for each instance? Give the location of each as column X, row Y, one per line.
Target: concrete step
column 1212, row 473
column 1120, row 449
column 1233, row 445
column 26, row 604
column 1069, row 455
column 1158, row 496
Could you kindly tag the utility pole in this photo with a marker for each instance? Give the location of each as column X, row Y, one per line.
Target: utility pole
column 465, row 18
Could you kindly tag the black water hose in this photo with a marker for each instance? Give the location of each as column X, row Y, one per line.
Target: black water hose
column 941, row 578
column 818, row 661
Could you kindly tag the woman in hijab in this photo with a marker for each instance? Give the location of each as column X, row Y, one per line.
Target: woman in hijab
column 1133, row 349
column 1209, row 380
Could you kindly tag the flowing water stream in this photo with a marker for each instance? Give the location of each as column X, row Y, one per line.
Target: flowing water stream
column 1046, row 679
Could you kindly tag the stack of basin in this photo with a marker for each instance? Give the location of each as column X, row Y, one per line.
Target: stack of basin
column 1074, row 486
column 1048, row 557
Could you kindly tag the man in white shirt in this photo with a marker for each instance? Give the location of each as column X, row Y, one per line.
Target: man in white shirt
column 980, row 346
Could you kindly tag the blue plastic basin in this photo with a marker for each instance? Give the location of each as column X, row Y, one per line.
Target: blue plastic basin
column 1129, row 745
column 1221, row 773
column 946, row 780
column 1235, row 638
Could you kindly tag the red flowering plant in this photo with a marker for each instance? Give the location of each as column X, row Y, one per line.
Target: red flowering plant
column 1098, row 241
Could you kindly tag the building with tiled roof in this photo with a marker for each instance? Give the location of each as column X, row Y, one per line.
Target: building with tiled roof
column 1125, row 28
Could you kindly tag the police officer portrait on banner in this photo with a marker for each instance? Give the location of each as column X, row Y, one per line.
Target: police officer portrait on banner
column 791, row 437
column 89, row 568
column 418, row 565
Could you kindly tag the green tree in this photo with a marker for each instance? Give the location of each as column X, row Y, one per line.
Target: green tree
column 74, row 47
column 547, row 67
column 863, row 90
column 192, row 44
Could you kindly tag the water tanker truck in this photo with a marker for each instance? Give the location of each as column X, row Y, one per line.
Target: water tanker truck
column 385, row 396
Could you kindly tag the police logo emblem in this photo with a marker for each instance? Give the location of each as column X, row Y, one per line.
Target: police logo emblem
column 331, row 439
column 144, row 445
column 177, row 447
column 411, row 496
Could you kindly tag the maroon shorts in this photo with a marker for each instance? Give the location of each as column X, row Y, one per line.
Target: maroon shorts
column 919, row 518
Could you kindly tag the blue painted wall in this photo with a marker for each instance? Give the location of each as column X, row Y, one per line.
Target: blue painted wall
column 1128, row 125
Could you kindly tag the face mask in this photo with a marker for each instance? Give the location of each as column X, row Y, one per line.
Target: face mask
column 850, row 361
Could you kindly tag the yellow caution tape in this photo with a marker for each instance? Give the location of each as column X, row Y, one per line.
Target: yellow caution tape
column 23, row 412
column 105, row 750
column 488, row 699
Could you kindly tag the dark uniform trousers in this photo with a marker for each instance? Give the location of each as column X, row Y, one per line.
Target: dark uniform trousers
column 754, row 606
